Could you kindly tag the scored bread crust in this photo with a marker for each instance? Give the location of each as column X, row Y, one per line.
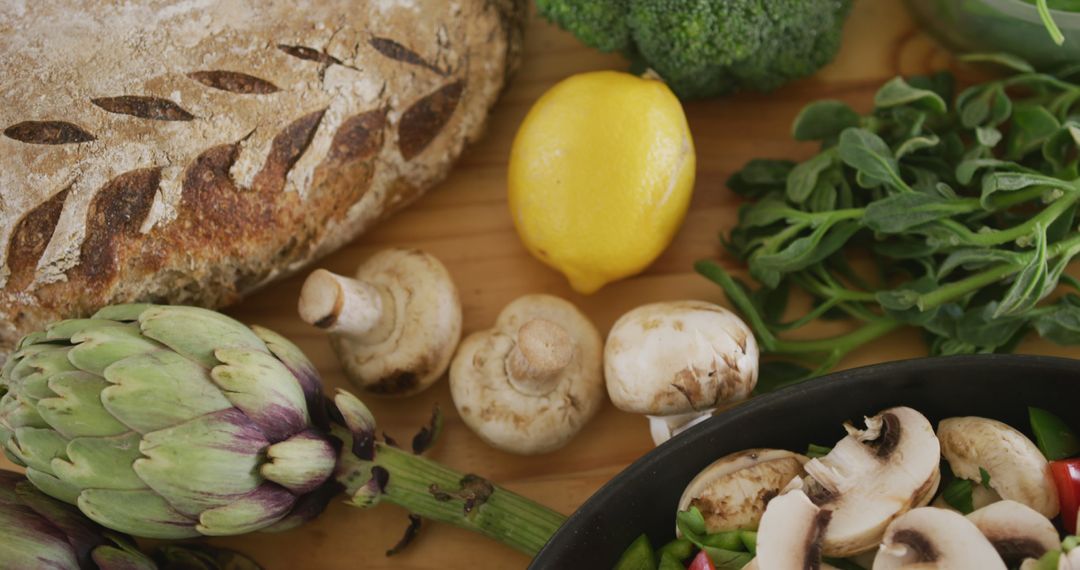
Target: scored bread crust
column 190, row 151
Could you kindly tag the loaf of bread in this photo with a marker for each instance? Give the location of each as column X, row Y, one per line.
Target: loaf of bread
column 190, row 151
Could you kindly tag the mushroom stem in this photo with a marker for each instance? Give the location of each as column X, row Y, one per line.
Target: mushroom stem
column 542, row 351
column 664, row 428
column 345, row 306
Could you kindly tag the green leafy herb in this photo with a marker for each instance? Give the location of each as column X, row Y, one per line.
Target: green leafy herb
column 954, row 215
column 958, row 495
column 1004, row 59
column 984, row 478
column 814, row 451
column 823, row 119
column 1053, row 435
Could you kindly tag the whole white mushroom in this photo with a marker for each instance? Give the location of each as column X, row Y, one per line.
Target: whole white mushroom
column 394, row 327
column 532, row 381
column 677, row 361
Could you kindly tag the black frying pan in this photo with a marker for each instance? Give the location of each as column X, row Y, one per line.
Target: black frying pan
column 644, row 497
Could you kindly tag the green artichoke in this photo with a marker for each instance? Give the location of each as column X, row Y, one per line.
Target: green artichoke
column 41, row 532
column 174, row 422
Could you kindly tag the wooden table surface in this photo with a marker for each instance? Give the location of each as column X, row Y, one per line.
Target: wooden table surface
column 465, row 223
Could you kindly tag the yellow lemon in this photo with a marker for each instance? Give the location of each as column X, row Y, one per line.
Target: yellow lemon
column 601, row 174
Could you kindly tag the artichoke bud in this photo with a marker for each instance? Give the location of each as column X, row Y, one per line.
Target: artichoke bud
column 42, row 532
column 301, row 463
column 170, row 422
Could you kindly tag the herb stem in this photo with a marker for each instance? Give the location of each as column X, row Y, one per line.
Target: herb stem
column 998, row 237
column 957, row 289
column 842, row 343
column 1048, row 21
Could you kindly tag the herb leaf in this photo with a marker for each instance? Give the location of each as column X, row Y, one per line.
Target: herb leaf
column 823, row 119
column 897, row 92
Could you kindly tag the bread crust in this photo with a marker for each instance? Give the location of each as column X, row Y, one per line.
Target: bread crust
column 191, row 151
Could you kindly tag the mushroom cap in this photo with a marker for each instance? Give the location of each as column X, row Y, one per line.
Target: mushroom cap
column 1018, row 470
column 935, row 538
column 791, row 531
column 733, row 491
column 426, row 325
column 1017, row 531
column 872, row 476
column 520, row 421
column 678, row 357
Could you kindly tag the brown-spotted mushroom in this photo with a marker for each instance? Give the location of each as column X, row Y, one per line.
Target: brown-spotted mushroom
column 394, row 326
column 677, row 361
column 732, row 492
column 530, row 383
column 1018, row 470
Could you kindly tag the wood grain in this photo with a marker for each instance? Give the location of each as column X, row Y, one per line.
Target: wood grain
column 465, row 222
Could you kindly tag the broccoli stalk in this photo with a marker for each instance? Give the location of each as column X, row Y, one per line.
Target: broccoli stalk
column 704, row 48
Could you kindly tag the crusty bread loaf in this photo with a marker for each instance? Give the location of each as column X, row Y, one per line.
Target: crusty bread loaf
column 189, row 151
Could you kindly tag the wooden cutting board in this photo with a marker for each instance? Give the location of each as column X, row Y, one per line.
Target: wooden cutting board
column 466, row 224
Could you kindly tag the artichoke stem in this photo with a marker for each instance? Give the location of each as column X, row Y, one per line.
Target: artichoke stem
column 430, row 490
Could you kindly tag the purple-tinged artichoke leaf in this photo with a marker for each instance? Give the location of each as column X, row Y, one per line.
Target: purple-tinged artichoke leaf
column 8, row 480
column 308, row 507
column 138, row 513
column 367, row 495
column 125, row 312
column 204, row 463
column 264, row 389
column 36, row 447
column 77, row 411
column 97, row 348
column 31, row 541
column 358, row 418
column 300, row 463
column 196, row 333
column 101, row 463
column 113, row 558
column 425, row 438
column 52, row 486
column 259, row 509
column 295, row 360
column 82, row 534
column 201, row 557
column 160, row 389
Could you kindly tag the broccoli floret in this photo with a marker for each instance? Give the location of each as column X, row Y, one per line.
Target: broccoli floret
column 597, row 23
column 704, row 48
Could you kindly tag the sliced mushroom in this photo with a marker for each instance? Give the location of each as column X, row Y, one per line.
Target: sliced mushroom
column 1018, row 470
column 530, row 383
column 394, row 327
column 872, row 476
column 677, row 362
column 1017, row 531
column 1070, row 560
column 732, row 492
column 791, row 533
column 935, row 538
